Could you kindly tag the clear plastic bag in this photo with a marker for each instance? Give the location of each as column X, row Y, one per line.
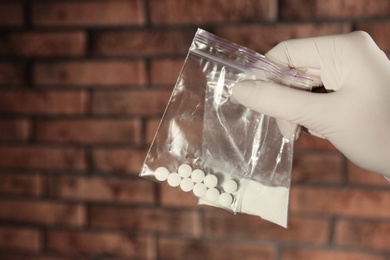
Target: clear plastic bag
column 245, row 159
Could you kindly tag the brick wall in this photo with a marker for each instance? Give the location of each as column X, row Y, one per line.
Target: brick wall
column 82, row 87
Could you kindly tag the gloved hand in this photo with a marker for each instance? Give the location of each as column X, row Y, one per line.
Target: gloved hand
column 355, row 118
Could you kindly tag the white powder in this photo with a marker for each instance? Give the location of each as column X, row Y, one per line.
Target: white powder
column 269, row 203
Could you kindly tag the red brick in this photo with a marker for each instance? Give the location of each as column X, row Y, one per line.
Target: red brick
column 308, row 142
column 89, row 13
column 363, row 234
column 42, row 212
column 200, row 12
column 130, row 102
column 11, row 15
column 21, row 184
column 357, row 175
column 49, row 103
column 334, row 9
column 183, row 222
column 263, row 37
column 165, row 72
column 300, row 230
column 44, row 44
column 118, row 160
column 42, row 158
column 325, row 254
column 143, row 42
column 316, row 167
column 89, row 131
column 29, row 256
column 151, row 128
column 12, row 73
column 175, row 197
column 90, row 73
column 103, row 189
column 379, row 31
column 178, row 249
column 83, row 244
column 14, row 130
column 340, row 202
column 19, row 239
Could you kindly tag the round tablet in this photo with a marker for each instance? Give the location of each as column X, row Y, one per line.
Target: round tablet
column 186, row 184
column 174, row 179
column 199, row 189
column 197, row 175
column 225, row 199
column 230, row 186
column 161, row 173
column 212, row 194
column 184, row 170
column 210, row 181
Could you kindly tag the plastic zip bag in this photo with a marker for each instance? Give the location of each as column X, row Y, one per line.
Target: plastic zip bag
column 227, row 155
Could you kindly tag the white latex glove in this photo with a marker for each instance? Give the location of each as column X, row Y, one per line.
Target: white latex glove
column 355, row 117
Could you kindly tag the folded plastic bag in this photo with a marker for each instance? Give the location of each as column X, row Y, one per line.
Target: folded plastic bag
column 227, row 155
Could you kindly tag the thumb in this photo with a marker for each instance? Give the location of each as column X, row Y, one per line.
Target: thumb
column 274, row 100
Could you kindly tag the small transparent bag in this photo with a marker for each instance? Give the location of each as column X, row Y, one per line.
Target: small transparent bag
column 244, row 156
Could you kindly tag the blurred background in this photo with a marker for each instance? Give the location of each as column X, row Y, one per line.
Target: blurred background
column 83, row 85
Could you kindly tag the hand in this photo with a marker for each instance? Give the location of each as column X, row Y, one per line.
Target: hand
column 354, row 116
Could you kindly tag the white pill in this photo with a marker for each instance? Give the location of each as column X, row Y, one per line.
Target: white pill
column 199, row 190
column 225, row 199
column 161, row 173
column 230, row 186
column 184, row 170
column 174, row 179
column 212, row 194
column 186, row 184
column 197, row 175
column 210, row 181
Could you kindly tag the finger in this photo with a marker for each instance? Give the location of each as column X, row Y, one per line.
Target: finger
column 289, row 130
column 307, row 53
column 281, row 102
